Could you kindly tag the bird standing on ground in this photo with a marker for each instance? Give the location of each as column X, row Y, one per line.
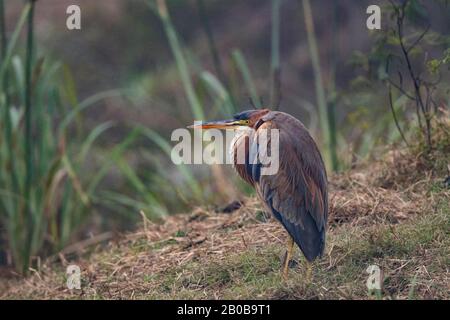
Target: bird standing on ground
column 297, row 194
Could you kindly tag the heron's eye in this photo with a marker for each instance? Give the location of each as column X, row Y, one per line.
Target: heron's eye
column 246, row 121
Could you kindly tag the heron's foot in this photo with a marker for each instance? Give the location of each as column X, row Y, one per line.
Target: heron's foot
column 288, row 256
column 291, row 264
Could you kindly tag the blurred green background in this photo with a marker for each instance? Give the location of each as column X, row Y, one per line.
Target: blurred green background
column 86, row 115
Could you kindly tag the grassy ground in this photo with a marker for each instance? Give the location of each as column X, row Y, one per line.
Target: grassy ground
column 394, row 214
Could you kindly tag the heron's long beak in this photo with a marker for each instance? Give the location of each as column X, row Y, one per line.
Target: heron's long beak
column 222, row 124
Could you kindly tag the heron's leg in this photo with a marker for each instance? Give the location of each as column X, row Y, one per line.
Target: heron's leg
column 290, row 248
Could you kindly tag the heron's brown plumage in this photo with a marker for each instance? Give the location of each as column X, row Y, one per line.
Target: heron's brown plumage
column 297, row 194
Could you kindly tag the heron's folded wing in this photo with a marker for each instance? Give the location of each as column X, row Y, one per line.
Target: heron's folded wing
column 297, row 193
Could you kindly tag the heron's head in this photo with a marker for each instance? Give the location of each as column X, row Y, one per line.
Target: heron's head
column 243, row 119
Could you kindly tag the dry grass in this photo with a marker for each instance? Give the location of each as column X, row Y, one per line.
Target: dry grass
column 389, row 214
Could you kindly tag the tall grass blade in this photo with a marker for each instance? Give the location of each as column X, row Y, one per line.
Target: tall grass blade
column 29, row 158
column 88, row 102
column 151, row 205
column 275, row 70
column 12, row 42
column 93, row 135
column 163, row 13
column 166, row 147
column 218, row 66
column 240, row 62
column 320, row 91
column 214, row 84
column 6, row 54
column 3, row 41
column 113, row 157
column 332, row 92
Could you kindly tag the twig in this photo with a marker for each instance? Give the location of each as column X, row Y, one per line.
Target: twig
column 80, row 246
column 397, row 124
column 415, row 80
column 419, row 38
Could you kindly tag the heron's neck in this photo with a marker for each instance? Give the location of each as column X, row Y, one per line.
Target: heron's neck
column 238, row 134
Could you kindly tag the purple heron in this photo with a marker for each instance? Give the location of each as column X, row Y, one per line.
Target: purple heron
column 297, row 194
